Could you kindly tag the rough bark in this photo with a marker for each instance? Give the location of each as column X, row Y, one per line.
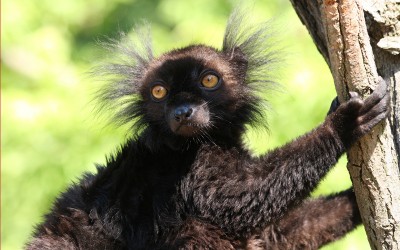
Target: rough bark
column 360, row 39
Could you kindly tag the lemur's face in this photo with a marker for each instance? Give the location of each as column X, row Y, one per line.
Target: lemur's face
column 192, row 92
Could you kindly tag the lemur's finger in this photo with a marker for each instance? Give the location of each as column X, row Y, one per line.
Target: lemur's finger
column 353, row 94
column 380, row 92
column 374, row 115
column 380, row 108
column 365, row 128
column 353, row 105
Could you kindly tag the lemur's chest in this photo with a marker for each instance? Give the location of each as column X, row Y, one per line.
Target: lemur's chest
column 164, row 180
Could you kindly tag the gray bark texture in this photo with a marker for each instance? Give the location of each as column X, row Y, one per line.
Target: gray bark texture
column 360, row 39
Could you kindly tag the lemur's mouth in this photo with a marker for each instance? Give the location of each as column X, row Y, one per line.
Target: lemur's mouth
column 189, row 120
column 189, row 129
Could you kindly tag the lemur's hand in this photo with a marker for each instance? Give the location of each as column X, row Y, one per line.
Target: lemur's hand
column 357, row 117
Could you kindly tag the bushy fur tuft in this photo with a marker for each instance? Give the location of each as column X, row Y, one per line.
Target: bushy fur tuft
column 122, row 73
column 256, row 43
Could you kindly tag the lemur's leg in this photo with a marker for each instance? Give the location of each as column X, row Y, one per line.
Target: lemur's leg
column 312, row 224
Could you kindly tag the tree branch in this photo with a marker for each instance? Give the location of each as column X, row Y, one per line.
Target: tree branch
column 342, row 38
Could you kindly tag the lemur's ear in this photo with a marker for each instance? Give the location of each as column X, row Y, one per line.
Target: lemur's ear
column 237, row 56
column 251, row 47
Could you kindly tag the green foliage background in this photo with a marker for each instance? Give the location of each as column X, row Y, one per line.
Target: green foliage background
column 50, row 134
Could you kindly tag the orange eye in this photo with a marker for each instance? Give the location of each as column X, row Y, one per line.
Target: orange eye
column 158, row 92
column 210, row 81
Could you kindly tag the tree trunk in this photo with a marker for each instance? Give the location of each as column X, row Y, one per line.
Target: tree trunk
column 360, row 39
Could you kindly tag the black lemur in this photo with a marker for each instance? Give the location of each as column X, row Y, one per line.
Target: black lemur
column 185, row 180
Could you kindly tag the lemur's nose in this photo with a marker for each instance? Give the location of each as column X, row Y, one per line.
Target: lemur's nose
column 183, row 113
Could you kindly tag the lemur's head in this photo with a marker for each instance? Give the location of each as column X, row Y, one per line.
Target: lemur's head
column 193, row 94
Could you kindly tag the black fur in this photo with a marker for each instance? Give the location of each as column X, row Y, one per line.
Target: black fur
column 185, row 181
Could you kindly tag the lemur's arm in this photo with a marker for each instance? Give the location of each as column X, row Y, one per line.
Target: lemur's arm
column 249, row 193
